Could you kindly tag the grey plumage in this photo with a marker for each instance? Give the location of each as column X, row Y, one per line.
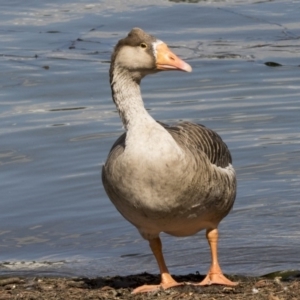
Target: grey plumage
column 210, row 191
column 174, row 179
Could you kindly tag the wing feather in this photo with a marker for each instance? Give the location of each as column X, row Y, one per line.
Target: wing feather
column 197, row 136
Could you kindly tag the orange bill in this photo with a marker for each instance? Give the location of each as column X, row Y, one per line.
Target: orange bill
column 167, row 60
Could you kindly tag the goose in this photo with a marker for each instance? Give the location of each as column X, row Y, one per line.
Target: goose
column 175, row 179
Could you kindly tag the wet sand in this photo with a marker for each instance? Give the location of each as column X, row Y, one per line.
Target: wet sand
column 275, row 286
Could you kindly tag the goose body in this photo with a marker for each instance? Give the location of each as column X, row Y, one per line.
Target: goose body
column 173, row 179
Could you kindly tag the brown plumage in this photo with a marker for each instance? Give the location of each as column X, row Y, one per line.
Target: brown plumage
column 174, row 179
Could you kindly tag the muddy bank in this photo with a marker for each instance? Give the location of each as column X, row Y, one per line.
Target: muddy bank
column 275, row 286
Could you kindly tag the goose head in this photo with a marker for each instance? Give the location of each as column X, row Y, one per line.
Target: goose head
column 142, row 54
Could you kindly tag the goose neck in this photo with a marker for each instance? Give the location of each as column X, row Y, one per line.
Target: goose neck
column 127, row 97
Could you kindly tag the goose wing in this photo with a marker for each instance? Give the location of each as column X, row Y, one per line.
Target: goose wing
column 197, row 138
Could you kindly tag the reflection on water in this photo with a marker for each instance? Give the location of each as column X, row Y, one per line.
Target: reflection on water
column 11, row 156
column 69, row 108
column 58, row 123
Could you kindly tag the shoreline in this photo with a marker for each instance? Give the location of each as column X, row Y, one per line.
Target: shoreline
column 284, row 285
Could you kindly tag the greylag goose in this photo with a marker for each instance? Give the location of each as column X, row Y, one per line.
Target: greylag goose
column 173, row 179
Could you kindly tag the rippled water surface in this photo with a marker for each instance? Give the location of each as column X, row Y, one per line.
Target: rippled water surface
column 58, row 122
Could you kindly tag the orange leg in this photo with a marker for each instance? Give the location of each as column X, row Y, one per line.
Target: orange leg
column 166, row 279
column 215, row 275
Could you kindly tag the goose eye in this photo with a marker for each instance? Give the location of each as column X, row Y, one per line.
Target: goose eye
column 143, row 45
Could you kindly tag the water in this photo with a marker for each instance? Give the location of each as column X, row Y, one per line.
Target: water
column 58, row 123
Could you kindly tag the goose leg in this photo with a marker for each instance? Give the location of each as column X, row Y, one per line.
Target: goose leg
column 166, row 279
column 215, row 275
